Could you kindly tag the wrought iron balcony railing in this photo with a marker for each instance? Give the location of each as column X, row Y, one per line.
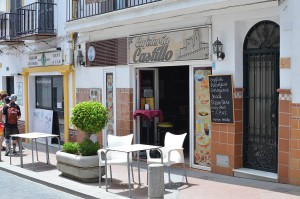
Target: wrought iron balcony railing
column 8, row 26
column 78, row 9
column 36, row 19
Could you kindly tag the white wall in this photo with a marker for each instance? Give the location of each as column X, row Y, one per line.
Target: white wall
column 89, row 77
column 123, row 77
column 295, row 32
column 289, row 45
column 3, row 6
column 286, row 42
column 60, row 17
column 231, row 29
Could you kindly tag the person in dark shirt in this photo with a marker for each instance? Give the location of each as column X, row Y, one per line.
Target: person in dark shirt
column 11, row 113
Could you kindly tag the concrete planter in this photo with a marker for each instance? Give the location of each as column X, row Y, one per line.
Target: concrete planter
column 81, row 168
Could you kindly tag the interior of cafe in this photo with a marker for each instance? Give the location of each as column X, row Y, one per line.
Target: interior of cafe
column 165, row 89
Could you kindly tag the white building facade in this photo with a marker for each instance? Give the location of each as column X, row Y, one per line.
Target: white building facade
column 131, row 53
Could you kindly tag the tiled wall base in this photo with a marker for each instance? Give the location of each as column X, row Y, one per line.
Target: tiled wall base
column 124, row 107
column 227, row 139
column 295, row 145
column 284, row 135
column 124, row 111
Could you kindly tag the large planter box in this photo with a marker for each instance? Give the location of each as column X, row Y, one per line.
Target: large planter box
column 81, row 168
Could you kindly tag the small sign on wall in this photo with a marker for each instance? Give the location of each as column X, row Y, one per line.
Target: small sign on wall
column 19, row 92
column 223, row 160
column 95, row 95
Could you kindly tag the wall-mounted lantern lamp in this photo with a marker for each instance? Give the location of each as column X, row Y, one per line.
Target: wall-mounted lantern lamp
column 218, row 49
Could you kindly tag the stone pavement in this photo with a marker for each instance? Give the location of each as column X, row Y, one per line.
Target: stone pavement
column 202, row 184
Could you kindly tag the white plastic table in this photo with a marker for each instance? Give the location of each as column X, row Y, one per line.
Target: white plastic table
column 33, row 136
column 129, row 149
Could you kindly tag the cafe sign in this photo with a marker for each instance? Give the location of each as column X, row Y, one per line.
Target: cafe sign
column 45, row 59
column 181, row 45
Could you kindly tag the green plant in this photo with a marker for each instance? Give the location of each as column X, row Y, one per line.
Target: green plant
column 70, row 147
column 88, row 148
column 89, row 117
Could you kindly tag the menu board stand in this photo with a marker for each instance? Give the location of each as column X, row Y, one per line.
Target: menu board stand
column 221, row 98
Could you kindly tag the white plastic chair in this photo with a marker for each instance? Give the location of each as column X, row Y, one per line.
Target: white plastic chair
column 172, row 153
column 114, row 157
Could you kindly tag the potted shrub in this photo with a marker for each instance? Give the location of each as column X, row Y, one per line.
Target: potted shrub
column 80, row 160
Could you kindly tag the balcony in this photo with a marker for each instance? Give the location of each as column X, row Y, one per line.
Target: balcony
column 8, row 29
column 79, row 9
column 36, row 21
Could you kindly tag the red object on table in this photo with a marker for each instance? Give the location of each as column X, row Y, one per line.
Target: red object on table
column 150, row 114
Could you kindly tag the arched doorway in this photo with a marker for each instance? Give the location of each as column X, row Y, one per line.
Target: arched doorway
column 261, row 80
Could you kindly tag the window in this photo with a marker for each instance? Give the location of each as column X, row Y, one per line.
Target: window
column 49, row 92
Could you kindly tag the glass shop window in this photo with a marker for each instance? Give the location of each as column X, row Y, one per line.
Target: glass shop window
column 49, row 92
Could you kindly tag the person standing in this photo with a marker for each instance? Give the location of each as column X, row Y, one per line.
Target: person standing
column 11, row 114
column 3, row 95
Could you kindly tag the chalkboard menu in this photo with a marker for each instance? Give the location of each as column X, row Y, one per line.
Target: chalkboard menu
column 221, row 99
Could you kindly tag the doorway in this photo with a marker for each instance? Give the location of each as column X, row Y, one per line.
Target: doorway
column 168, row 87
column 261, row 80
column 10, row 85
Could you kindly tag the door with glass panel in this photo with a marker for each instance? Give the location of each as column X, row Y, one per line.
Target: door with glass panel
column 49, row 96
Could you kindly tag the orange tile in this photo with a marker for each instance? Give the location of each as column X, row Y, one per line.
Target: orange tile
column 238, row 162
column 283, row 171
column 223, row 149
column 215, row 148
column 231, row 151
column 131, row 125
column 284, row 119
column 231, row 128
column 295, row 134
column 213, row 159
column 231, row 161
column 239, row 138
column 215, row 136
column 283, row 180
column 238, row 115
column 294, row 163
column 219, row 170
column 223, row 138
column 295, row 181
column 215, row 127
column 239, row 127
column 283, row 158
column 294, row 112
column 238, row 104
column 294, row 123
column 295, row 173
column 295, row 154
column 295, row 144
column 284, row 132
column 284, row 145
column 231, row 138
column 223, row 128
column 238, row 150
column 284, row 106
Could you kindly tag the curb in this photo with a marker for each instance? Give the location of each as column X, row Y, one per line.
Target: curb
column 60, row 188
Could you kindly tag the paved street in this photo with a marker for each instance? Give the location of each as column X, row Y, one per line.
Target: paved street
column 12, row 186
column 202, row 184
